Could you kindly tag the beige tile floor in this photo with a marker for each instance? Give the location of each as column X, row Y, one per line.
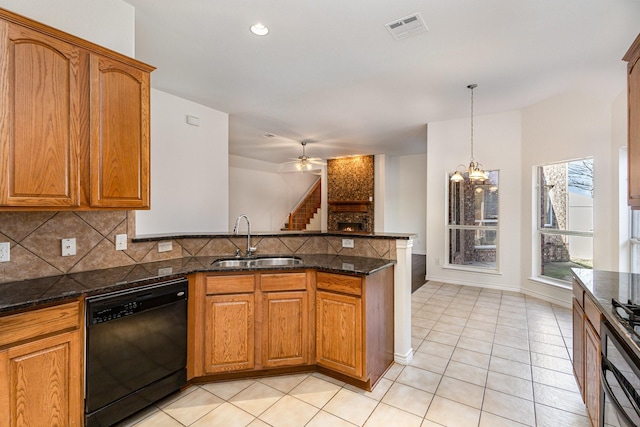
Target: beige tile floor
column 482, row 358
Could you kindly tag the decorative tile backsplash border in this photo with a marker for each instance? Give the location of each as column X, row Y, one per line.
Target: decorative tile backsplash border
column 35, row 239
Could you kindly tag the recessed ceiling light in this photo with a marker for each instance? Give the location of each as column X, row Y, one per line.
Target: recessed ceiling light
column 259, row 29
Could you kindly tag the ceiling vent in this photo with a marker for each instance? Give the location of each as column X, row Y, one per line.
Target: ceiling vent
column 407, row 26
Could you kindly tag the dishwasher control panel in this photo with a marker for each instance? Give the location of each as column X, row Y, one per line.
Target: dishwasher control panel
column 113, row 306
column 113, row 313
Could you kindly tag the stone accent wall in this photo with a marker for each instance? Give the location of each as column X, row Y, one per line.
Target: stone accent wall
column 351, row 179
column 555, row 177
column 35, row 239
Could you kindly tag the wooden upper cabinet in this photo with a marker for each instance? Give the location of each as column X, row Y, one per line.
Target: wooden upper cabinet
column 39, row 119
column 119, row 135
column 74, row 122
column 633, row 84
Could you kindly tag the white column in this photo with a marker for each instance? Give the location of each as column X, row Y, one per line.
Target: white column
column 402, row 351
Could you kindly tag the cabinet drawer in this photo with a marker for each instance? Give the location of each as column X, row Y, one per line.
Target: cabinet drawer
column 230, row 284
column 339, row 283
column 33, row 324
column 578, row 293
column 593, row 314
column 283, row 281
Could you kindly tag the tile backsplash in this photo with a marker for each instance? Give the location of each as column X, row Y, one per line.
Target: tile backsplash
column 35, row 239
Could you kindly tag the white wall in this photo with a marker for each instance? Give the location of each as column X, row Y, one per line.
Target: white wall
column 109, row 23
column 405, row 198
column 189, row 164
column 497, row 145
column 267, row 196
column 567, row 127
column 619, row 189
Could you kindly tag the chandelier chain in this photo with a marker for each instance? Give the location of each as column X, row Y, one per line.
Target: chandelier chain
column 472, row 86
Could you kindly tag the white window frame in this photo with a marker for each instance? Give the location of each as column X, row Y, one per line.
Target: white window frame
column 634, row 241
column 540, row 231
column 448, row 228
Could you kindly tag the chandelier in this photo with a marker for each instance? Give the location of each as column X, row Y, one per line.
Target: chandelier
column 475, row 171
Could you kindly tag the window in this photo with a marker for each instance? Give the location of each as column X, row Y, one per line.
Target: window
column 565, row 218
column 473, row 223
column 635, row 241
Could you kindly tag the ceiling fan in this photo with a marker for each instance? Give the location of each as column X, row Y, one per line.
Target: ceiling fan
column 305, row 162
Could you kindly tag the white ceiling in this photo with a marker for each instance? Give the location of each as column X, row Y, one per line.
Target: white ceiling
column 329, row 71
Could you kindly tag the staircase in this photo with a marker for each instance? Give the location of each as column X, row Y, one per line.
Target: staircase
column 307, row 208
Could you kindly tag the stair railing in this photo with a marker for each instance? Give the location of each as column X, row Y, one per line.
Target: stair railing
column 301, row 203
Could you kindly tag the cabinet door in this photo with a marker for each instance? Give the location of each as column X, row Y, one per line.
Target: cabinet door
column 339, row 338
column 39, row 120
column 285, row 329
column 592, row 373
column 120, row 135
column 578, row 345
column 229, row 333
column 634, row 133
column 41, row 382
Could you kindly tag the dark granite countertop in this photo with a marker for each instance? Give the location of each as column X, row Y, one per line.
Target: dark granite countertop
column 296, row 233
column 605, row 285
column 28, row 294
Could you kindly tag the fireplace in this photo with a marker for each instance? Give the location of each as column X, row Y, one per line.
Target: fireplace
column 352, row 227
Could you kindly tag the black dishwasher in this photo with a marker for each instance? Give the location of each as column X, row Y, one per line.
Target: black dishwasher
column 136, row 349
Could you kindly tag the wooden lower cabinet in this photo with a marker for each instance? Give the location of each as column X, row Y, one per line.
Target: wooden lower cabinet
column 254, row 323
column 285, row 331
column 249, row 322
column 339, row 333
column 587, row 351
column 354, row 324
column 592, row 373
column 578, row 345
column 41, row 372
column 229, row 329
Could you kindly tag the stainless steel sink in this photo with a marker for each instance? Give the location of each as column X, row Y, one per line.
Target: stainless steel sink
column 257, row 262
column 231, row 263
column 275, row 261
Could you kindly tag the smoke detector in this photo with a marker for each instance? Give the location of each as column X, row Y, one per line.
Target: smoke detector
column 406, row 27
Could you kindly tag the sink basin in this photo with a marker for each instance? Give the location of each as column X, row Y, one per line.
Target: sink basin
column 275, row 261
column 257, row 262
column 231, row 263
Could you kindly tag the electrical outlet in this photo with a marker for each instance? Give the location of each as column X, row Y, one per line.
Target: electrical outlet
column 165, row 271
column 5, row 251
column 165, row 246
column 69, row 247
column 121, row 242
column 347, row 243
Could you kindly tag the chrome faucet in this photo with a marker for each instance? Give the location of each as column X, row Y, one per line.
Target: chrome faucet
column 235, row 232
